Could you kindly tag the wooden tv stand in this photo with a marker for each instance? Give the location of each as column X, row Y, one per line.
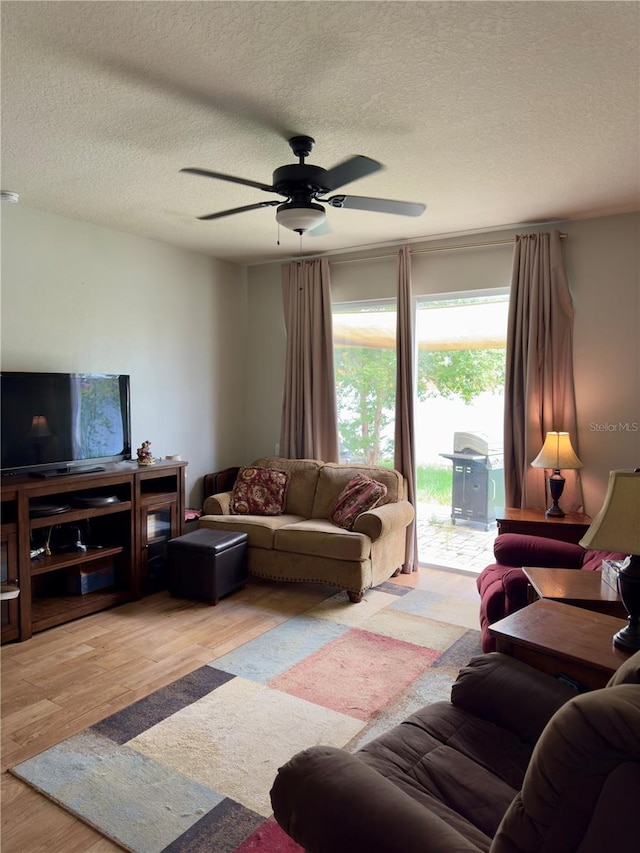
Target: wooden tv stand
column 126, row 514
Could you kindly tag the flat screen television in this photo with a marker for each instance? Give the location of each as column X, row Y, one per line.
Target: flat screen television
column 57, row 423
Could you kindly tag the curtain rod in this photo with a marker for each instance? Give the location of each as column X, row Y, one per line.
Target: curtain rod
column 433, row 249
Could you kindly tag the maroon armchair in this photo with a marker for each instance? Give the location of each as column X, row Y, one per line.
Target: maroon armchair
column 503, row 584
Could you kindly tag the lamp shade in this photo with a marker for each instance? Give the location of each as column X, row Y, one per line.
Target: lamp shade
column 39, row 427
column 300, row 217
column 617, row 526
column 557, row 452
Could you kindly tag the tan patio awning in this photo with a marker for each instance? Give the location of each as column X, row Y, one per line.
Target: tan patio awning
column 449, row 327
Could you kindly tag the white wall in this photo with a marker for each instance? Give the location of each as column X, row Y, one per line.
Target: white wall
column 79, row 297
column 603, row 265
column 204, row 341
column 604, row 275
column 266, row 352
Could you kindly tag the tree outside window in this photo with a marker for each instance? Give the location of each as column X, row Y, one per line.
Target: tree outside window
column 365, row 367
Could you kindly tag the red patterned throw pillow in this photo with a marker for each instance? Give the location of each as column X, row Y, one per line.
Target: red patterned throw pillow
column 359, row 495
column 259, row 491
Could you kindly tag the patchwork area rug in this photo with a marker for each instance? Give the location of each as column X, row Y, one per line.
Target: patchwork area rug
column 189, row 768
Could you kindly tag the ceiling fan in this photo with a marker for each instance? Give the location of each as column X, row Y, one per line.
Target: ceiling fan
column 304, row 185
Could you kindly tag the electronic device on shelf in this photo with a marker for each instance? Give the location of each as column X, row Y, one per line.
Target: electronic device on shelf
column 65, row 538
column 95, row 500
column 63, row 423
column 40, row 509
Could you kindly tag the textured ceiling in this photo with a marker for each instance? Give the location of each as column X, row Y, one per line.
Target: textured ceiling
column 492, row 114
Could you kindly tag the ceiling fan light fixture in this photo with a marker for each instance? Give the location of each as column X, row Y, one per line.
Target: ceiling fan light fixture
column 300, row 217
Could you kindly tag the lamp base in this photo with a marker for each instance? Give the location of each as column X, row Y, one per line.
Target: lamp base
column 629, row 588
column 628, row 638
column 556, row 487
column 554, row 511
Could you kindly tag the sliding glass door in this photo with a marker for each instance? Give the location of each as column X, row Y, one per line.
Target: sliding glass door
column 459, row 427
column 460, row 362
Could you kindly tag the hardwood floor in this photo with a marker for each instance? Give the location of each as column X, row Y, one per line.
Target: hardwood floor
column 70, row 677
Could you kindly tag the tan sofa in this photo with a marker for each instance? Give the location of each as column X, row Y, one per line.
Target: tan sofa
column 303, row 544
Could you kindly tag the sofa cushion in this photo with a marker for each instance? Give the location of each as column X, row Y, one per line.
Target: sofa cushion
column 359, row 495
column 303, row 478
column 329, row 800
column 593, row 559
column 509, row 693
column 320, row 537
column 469, row 765
column 492, row 602
column 522, row 549
column 259, row 491
column 259, row 528
column 333, row 478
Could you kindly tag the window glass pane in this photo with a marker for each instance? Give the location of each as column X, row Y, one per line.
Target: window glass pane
column 459, row 426
column 364, row 337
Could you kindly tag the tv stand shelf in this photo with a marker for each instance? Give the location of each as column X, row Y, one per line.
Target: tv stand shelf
column 123, row 515
column 49, row 612
column 42, row 565
column 79, row 515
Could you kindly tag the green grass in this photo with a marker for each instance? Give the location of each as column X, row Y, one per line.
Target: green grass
column 434, row 484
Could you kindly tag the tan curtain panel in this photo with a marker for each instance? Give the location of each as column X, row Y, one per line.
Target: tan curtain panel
column 404, row 459
column 309, row 415
column 539, row 392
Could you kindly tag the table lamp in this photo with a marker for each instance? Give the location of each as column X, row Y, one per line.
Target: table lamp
column 38, row 433
column 557, row 452
column 617, row 528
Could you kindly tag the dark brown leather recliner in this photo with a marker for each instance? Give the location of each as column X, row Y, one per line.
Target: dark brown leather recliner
column 515, row 763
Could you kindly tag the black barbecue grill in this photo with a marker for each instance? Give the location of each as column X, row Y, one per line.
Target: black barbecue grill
column 478, row 478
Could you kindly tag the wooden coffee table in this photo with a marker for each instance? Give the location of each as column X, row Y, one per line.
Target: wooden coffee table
column 573, row 586
column 562, row 640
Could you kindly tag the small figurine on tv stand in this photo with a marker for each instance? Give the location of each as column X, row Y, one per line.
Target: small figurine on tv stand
column 145, row 457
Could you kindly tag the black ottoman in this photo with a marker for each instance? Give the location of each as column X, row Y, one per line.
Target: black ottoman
column 207, row 564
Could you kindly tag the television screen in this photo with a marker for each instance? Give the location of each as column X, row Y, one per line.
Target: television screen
column 59, row 420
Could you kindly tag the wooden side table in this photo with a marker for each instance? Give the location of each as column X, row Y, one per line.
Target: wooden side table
column 562, row 640
column 572, row 586
column 570, row 528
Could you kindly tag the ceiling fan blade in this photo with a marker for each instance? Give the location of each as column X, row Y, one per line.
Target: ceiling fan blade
column 352, row 169
column 239, row 209
column 377, row 205
column 221, row 176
